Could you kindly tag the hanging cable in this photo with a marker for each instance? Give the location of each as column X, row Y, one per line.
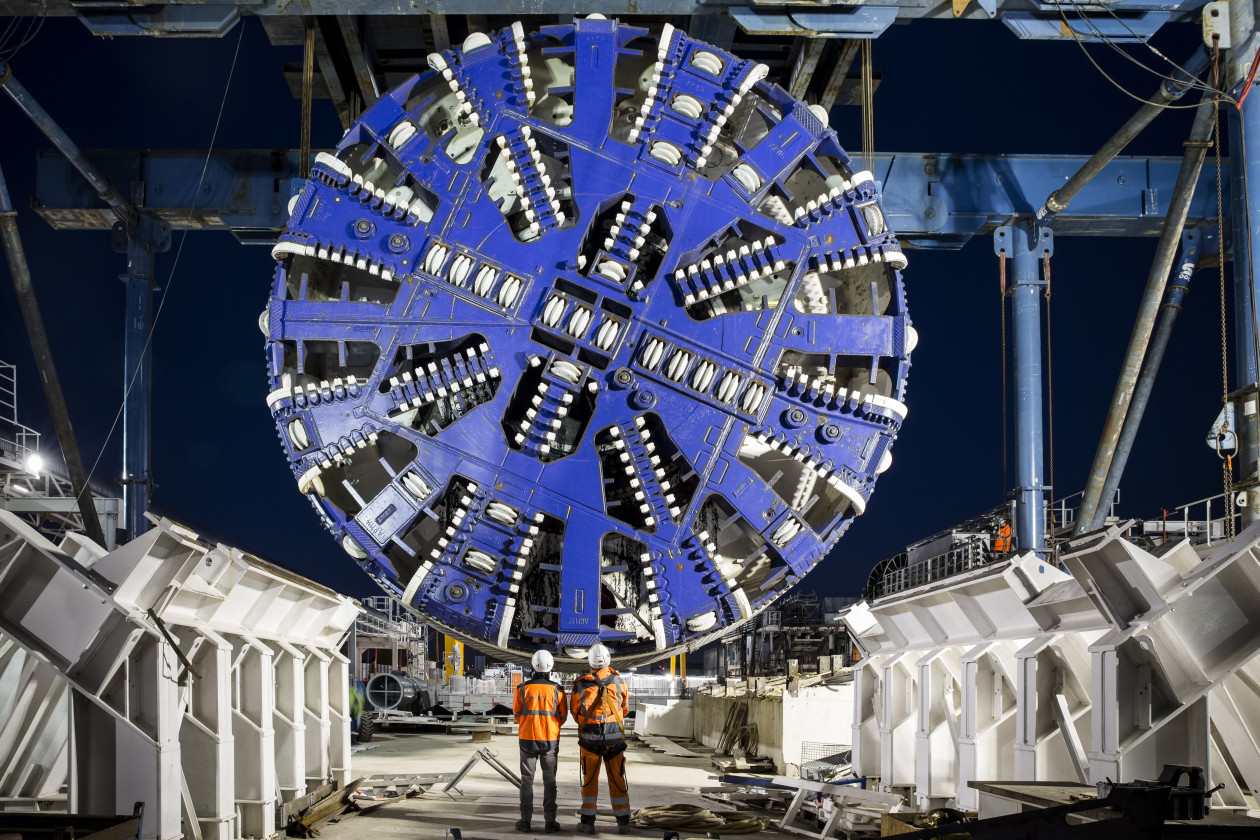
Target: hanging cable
column 1119, row 48
column 308, row 93
column 1050, row 402
column 1227, row 461
column 868, row 105
column 695, row 818
column 1002, row 298
column 1076, row 37
column 205, row 166
column 1251, row 77
column 34, row 26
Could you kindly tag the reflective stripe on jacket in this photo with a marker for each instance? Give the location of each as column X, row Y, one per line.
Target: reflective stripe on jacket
column 540, row 709
column 596, row 727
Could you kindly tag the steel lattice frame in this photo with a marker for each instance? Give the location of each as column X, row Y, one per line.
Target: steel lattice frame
column 588, row 335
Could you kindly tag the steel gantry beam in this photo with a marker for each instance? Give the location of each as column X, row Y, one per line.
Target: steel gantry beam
column 933, row 201
column 788, row 20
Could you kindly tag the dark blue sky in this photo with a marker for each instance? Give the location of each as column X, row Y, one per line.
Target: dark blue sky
column 948, row 86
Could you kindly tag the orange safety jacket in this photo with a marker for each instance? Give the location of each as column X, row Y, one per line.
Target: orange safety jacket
column 540, row 709
column 600, row 730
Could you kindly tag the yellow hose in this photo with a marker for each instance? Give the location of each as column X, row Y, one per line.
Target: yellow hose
column 695, row 818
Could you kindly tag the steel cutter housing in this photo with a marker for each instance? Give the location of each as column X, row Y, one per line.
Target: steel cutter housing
column 588, row 335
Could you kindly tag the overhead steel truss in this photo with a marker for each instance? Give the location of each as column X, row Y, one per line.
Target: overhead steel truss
column 931, row 200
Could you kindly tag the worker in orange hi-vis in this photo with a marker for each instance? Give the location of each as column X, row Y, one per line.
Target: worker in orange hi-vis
column 600, row 702
column 540, row 708
column 1002, row 544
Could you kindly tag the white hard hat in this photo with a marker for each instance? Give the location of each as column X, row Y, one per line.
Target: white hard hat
column 599, row 657
column 542, row 662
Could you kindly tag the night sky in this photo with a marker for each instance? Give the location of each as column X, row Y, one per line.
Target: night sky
column 948, row 86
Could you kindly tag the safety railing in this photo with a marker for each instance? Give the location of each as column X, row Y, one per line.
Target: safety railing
column 1178, row 522
column 1062, row 514
column 963, row 557
column 17, row 441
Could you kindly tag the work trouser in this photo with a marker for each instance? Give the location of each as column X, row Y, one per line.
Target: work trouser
column 548, row 762
column 618, row 789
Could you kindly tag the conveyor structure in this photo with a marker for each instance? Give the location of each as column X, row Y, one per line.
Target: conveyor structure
column 588, row 335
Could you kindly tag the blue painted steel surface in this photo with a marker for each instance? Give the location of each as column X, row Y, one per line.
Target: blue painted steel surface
column 1026, row 246
column 137, row 388
column 843, row 22
column 932, row 201
column 1245, row 227
column 1040, row 27
column 585, row 338
column 1244, row 135
column 1028, row 20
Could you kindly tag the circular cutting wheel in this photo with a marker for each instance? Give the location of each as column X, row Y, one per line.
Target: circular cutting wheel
column 588, row 335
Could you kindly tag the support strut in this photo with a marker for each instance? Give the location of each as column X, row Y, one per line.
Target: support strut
column 1092, row 513
column 1169, row 91
column 1026, row 245
column 42, row 351
column 1244, row 143
column 1150, row 369
column 140, row 237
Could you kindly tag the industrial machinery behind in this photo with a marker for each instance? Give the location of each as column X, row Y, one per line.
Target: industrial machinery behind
column 588, row 335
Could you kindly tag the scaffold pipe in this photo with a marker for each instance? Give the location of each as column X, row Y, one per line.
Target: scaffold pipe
column 1091, row 513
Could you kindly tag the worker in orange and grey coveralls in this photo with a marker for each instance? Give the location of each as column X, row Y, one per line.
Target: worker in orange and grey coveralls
column 1002, row 544
column 540, row 708
column 600, row 702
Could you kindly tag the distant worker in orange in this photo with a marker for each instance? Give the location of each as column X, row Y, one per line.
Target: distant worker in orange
column 1002, row 543
column 600, row 703
column 540, row 708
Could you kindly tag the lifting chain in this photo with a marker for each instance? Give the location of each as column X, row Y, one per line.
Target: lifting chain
column 868, row 105
column 1227, row 461
column 308, row 93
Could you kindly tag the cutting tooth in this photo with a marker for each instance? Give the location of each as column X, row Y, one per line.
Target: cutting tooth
column 678, row 365
column 553, row 310
column 310, row 482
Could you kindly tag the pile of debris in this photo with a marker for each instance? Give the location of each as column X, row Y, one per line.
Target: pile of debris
column 841, row 805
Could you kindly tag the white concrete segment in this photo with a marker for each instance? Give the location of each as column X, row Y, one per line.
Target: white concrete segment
column 262, row 715
column 1120, row 662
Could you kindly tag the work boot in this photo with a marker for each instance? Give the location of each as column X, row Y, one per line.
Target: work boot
column 522, row 825
column 585, row 827
column 552, row 827
column 623, row 825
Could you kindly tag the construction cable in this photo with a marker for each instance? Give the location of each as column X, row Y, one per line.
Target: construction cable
column 1251, row 77
column 34, row 26
column 746, row 738
column 179, row 250
column 1227, row 464
column 695, row 818
column 1097, row 33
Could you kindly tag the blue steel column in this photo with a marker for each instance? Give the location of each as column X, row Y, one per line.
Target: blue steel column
column 137, row 384
column 1244, row 143
column 1024, row 246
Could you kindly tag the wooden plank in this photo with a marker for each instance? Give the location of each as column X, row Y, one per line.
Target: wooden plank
column 298, row 804
column 325, row 809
